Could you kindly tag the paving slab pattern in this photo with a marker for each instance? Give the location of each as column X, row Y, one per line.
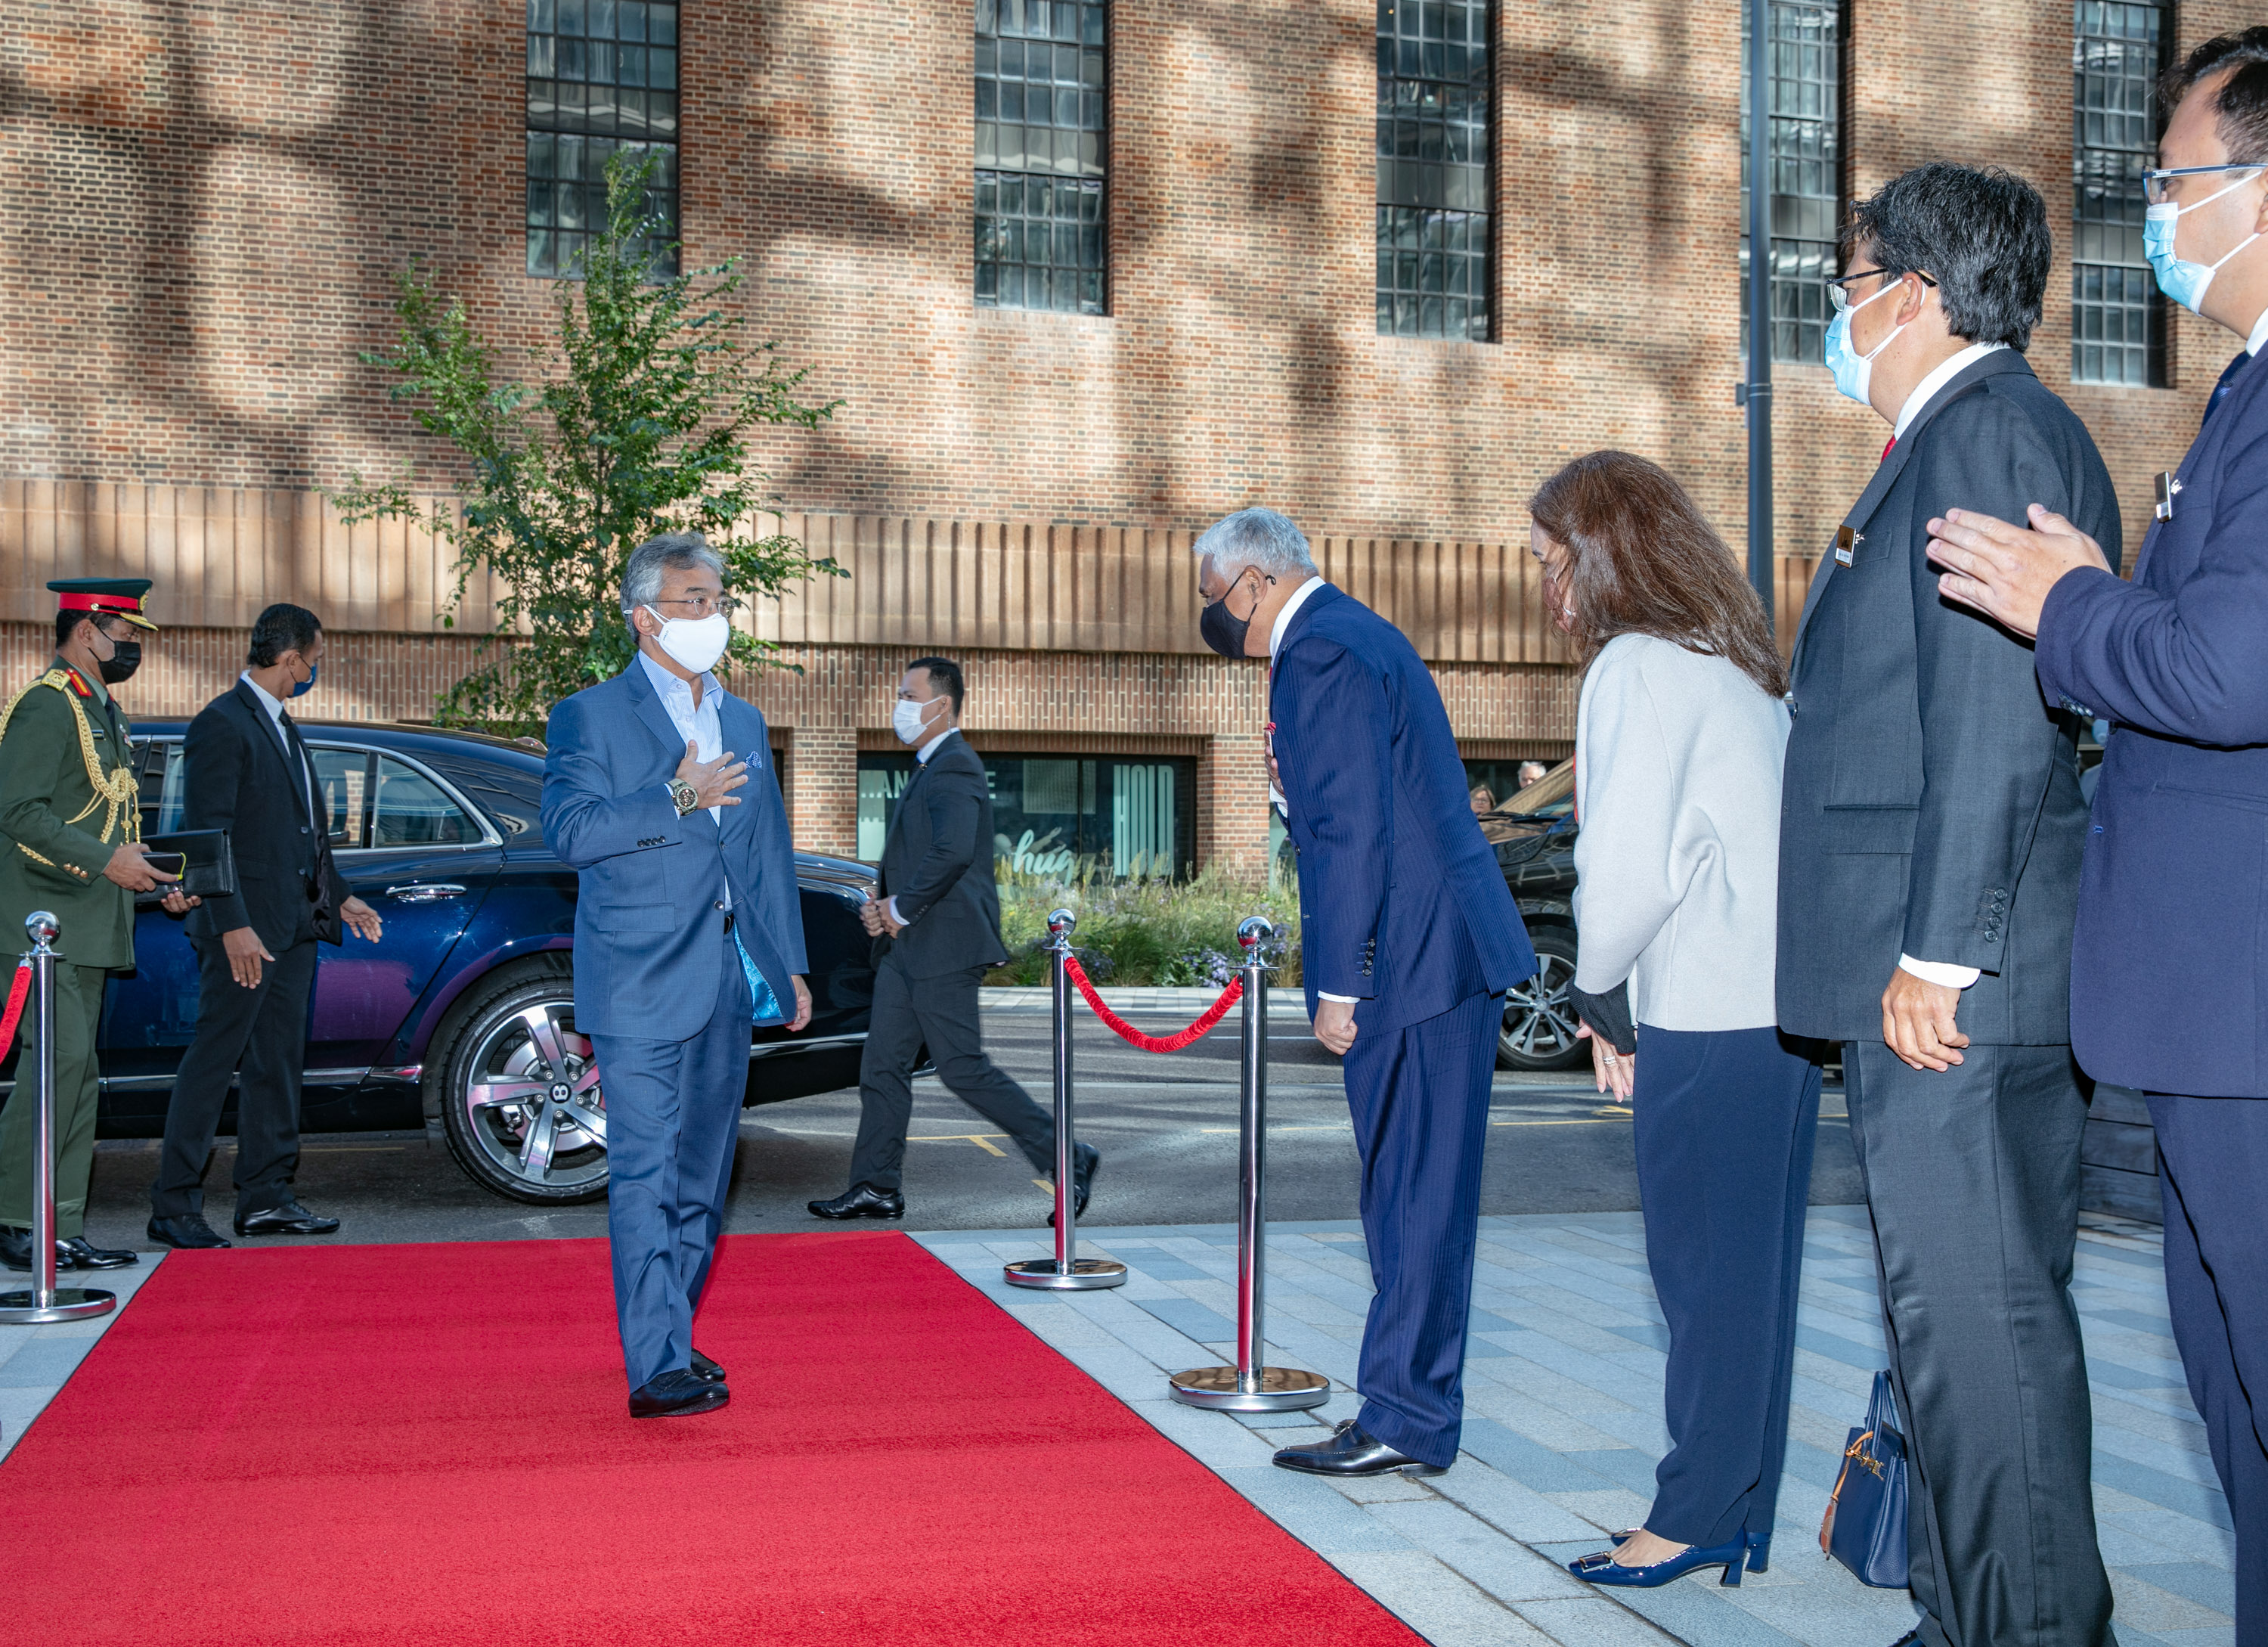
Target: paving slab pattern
column 1563, row 1426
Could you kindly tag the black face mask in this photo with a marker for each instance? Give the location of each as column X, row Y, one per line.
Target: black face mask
column 121, row 663
column 1222, row 630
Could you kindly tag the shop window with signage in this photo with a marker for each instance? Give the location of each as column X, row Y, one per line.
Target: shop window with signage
column 1062, row 817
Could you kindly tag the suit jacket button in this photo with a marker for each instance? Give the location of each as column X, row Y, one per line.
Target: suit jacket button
column 720, row 903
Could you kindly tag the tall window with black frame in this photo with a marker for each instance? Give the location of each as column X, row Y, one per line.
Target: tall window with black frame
column 1805, row 160
column 601, row 78
column 2117, row 318
column 1043, row 99
column 1436, row 124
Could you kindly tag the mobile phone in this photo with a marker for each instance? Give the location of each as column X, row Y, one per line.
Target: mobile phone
column 174, row 863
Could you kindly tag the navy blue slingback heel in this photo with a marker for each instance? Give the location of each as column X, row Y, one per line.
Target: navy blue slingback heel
column 1599, row 1567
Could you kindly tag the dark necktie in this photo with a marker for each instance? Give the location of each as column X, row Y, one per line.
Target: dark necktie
column 297, row 760
column 2220, row 389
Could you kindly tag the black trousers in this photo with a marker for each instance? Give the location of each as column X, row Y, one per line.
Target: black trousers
column 264, row 1031
column 1725, row 1122
column 2213, row 1159
column 941, row 1011
column 1972, row 1183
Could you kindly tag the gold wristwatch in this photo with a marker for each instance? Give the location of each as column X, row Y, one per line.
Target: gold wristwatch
column 683, row 796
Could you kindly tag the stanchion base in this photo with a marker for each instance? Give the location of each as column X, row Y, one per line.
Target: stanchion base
column 22, row 1308
column 1282, row 1390
column 1085, row 1275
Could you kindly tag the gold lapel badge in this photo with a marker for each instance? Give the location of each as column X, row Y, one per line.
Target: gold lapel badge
column 1846, row 544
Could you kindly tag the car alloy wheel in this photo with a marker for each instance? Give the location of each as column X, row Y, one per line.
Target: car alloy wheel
column 1539, row 1026
column 523, row 1109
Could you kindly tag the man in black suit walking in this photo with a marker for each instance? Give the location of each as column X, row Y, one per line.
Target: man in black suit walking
column 936, row 922
column 249, row 773
column 1930, row 839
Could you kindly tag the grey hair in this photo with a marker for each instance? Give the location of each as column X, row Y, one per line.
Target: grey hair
column 671, row 552
column 1255, row 537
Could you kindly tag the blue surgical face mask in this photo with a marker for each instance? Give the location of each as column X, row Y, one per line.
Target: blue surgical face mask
column 2181, row 280
column 300, row 689
column 1854, row 372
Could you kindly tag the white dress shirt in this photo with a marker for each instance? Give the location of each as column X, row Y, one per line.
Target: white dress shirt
column 1941, row 972
column 273, row 705
column 921, row 759
column 2253, row 344
column 697, row 725
column 1275, row 645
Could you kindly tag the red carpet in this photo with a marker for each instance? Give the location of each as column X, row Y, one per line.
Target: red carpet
column 429, row 1445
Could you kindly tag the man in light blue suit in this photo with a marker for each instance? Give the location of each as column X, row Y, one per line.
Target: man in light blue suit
column 1408, row 937
column 687, row 931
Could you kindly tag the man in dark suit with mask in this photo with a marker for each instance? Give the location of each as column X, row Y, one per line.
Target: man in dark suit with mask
column 1930, row 838
column 1409, row 938
column 2177, row 660
column 248, row 772
column 936, row 920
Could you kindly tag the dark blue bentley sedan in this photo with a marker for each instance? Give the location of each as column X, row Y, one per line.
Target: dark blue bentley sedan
column 465, row 1012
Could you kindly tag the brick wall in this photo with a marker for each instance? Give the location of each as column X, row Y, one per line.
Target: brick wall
column 200, row 209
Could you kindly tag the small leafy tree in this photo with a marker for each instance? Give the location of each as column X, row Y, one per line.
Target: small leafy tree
column 641, row 425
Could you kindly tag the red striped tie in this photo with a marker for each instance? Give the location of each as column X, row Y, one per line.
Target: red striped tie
column 1887, row 445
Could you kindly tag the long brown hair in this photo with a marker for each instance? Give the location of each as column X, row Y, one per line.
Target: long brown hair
column 1641, row 560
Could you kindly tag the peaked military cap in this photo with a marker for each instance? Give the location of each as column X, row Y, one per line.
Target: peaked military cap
column 120, row 597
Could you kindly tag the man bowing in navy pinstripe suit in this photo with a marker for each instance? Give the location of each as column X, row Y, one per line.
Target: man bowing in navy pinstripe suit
column 1409, row 936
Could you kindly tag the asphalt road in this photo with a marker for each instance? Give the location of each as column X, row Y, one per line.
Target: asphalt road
column 1166, row 1124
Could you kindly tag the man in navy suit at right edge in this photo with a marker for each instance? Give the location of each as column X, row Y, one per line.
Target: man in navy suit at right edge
column 1408, row 937
column 2169, row 964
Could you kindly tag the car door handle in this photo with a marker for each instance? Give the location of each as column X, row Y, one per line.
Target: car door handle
column 425, row 891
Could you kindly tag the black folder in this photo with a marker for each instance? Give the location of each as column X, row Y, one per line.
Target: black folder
column 210, row 871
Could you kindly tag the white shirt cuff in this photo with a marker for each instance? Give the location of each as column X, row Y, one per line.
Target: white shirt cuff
column 1351, row 1001
column 892, row 905
column 1942, row 972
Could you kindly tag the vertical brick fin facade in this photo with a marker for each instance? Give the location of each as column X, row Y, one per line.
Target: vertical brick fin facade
column 218, row 554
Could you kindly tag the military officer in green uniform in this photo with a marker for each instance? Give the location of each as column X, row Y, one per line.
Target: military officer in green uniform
column 70, row 842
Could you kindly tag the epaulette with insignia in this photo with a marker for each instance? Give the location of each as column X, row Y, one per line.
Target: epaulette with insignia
column 78, row 683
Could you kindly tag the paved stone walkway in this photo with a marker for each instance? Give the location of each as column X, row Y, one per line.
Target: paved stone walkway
column 1564, row 1387
column 1564, row 1426
column 35, row 1361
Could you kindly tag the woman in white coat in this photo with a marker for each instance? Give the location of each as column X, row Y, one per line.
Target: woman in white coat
column 1679, row 737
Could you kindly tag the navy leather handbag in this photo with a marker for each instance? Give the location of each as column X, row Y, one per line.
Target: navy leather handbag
column 1865, row 1527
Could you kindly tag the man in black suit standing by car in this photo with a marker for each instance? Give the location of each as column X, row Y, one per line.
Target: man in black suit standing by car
column 1930, row 840
column 248, row 772
column 936, row 920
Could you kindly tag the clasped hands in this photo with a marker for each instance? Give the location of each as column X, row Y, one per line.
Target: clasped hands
column 130, row 867
column 874, row 915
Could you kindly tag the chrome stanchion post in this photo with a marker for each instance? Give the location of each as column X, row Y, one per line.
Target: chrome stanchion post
column 1066, row 1271
column 1249, row 1386
column 44, row 1301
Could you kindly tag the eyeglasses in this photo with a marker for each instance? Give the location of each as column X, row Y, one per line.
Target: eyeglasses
column 2157, row 183
column 1839, row 288
column 701, row 605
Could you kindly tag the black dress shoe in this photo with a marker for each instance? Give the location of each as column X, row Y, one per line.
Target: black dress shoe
column 188, row 1229
column 707, row 1370
column 1084, row 1159
column 1350, row 1451
column 861, row 1200
column 86, row 1257
column 677, row 1394
column 288, row 1219
column 15, row 1249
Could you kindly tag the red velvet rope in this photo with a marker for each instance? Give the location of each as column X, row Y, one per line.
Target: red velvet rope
column 1213, row 1014
column 17, row 991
